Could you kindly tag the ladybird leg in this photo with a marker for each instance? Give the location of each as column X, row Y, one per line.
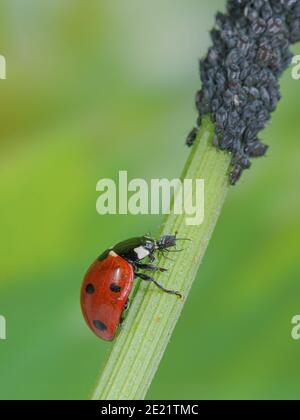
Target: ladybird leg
column 150, row 267
column 151, row 258
column 150, row 279
column 121, row 323
column 126, row 306
column 122, row 319
column 165, row 256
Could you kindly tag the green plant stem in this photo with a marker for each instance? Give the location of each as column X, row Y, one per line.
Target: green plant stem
column 137, row 351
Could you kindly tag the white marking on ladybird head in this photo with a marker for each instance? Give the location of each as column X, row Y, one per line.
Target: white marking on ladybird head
column 113, row 254
column 141, row 252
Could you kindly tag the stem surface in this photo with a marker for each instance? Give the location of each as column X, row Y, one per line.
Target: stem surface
column 137, row 351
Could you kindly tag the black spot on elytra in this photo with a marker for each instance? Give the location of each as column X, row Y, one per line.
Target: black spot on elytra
column 99, row 325
column 115, row 288
column 90, row 289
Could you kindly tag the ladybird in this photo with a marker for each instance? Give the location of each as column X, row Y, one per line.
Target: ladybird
column 109, row 280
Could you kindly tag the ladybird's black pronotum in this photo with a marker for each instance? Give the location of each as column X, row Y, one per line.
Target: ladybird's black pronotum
column 109, row 280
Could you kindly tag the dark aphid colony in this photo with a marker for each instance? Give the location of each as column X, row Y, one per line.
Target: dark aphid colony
column 240, row 73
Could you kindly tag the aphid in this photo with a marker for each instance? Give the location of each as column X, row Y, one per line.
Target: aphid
column 265, row 54
column 220, row 80
column 221, row 118
column 264, row 94
column 192, row 137
column 254, row 93
column 251, row 13
column 256, row 149
column 245, row 73
column 109, row 280
column 215, row 104
column 235, row 174
column 275, row 25
column 226, row 142
column 258, row 26
column 266, row 12
column 212, row 56
column 255, row 106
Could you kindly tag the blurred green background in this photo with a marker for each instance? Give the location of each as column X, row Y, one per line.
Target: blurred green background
column 100, row 86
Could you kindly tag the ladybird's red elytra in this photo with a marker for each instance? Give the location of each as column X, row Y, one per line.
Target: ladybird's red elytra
column 109, row 280
column 104, row 294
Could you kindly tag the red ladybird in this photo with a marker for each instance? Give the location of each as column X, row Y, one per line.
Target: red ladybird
column 109, row 280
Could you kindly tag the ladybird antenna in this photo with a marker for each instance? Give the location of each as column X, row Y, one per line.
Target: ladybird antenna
column 181, row 239
column 174, row 250
column 148, row 235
